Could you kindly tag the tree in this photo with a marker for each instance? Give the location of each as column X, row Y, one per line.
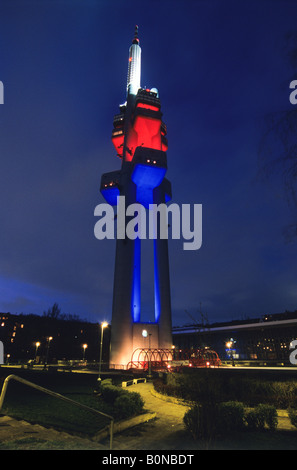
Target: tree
column 278, row 147
column 54, row 312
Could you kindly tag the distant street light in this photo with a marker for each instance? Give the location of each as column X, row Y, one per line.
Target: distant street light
column 84, row 350
column 103, row 325
column 144, row 334
column 37, row 344
column 49, row 339
column 229, row 345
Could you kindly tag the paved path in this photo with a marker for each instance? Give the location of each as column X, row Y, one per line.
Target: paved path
column 166, row 432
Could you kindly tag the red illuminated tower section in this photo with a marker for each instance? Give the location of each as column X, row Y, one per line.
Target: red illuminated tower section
column 139, row 137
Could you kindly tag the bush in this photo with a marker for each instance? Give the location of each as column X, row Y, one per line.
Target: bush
column 270, row 415
column 200, row 421
column 110, row 393
column 293, row 416
column 206, row 421
column 252, row 420
column 165, row 389
column 125, row 404
column 231, row 416
column 209, row 420
column 128, row 404
column 262, row 414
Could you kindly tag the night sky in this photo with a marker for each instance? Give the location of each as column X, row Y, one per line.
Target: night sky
column 220, row 68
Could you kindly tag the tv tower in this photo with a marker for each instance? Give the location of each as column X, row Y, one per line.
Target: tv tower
column 139, row 137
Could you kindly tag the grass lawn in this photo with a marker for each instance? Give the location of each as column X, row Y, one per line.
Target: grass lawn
column 23, row 402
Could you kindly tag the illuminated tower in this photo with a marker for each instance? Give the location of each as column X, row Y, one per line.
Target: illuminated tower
column 139, row 137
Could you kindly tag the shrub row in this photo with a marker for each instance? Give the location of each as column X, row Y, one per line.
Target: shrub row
column 125, row 404
column 208, row 420
column 212, row 386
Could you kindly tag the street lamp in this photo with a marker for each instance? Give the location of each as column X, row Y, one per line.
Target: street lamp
column 229, row 345
column 103, row 325
column 84, row 350
column 144, row 334
column 48, row 346
column 37, row 344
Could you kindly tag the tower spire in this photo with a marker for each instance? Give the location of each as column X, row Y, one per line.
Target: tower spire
column 134, row 65
column 136, row 40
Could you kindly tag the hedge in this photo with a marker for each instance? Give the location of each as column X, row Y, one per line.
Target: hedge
column 206, row 421
column 210, row 386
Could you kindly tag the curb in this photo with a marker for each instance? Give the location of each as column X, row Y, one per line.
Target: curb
column 123, row 425
column 176, row 401
column 180, row 401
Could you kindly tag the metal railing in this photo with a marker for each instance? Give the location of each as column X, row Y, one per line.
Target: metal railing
column 56, row 395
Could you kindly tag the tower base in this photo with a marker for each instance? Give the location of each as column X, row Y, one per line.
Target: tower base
column 145, row 336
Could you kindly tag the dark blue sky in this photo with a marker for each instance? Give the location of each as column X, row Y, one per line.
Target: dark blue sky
column 220, row 67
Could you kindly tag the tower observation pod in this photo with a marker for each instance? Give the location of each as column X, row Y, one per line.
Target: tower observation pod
column 139, row 138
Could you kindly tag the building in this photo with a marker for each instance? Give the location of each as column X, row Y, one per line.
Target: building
column 263, row 340
column 139, row 137
column 259, row 340
column 26, row 337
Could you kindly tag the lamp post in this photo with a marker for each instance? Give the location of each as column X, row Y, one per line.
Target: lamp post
column 150, row 359
column 144, row 335
column 37, row 344
column 103, row 325
column 229, row 345
column 84, row 350
column 48, row 346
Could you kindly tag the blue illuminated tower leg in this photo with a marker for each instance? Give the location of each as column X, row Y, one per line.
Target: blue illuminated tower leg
column 124, row 293
column 162, row 284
